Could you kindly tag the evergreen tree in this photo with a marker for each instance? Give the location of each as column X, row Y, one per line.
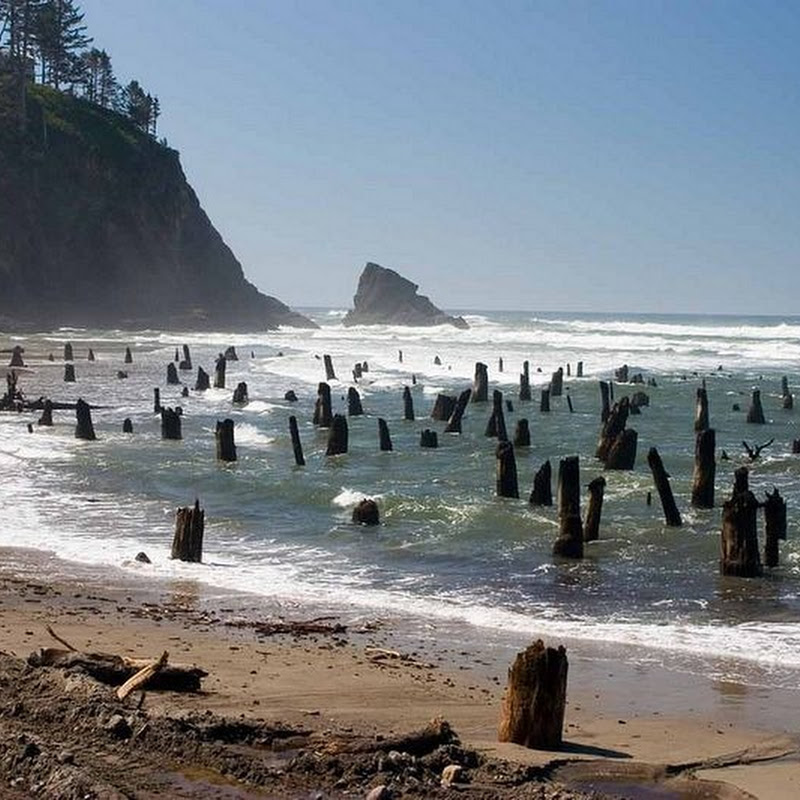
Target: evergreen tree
column 59, row 35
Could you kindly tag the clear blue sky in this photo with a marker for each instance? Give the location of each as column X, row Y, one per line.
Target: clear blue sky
column 609, row 156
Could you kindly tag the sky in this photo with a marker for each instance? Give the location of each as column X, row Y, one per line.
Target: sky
column 626, row 156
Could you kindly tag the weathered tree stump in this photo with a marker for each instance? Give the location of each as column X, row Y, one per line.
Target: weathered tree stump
column 428, row 439
column 323, row 415
column 47, row 414
column 240, row 396
column 544, row 403
column 621, row 374
column 535, row 699
column 128, row 356
column 185, row 364
column 622, row 455
column 357, row 372
column 408, row 404
column 496, row 427
column 507, row 484
column 557, row 383
column 366, row 513
column 337, row 436
column 190, row 523
column 509, row 406
column 290, row 396
column 568, row 370
column 795, row 446
column 525, row 382
column 170, row 424
column 296, row 444
column 739, row 554
column 542, row 492
column 500, row 364
column 203, row 381
column 705, row 468
column 755, row 413
column 230, row 353
column 16, row 357
column 612, row 428
column 400, row 356
column 605, row 396
column 443, row 407
column 569, row 543
column 185, row 391
column 774, row 525
column 569, row 404
column 226, row 446
column 127, row 425
column 90, row 355
column 121, row 375
column 701, row 410
column 220, row 367
column 522, row 434
column 579, row 371
column 69, row 373
column 384, row 440
column 640, row 400
column 480, row 386
column 591, row 531
column 84, row 429
column 330, row 374
column 156, row 400
column 354, row 407
column 454, row 423
column 786, row 396
column 661, row 479
column 177, row 357
column 172, row 374
column 68, row 351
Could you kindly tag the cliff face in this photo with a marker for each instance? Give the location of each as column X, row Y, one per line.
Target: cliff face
column 385, row 297
column 99, row 227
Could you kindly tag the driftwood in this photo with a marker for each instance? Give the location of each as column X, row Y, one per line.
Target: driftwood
column 143, row 677
column 384, row 439
column 437, row 733
column 454, row 423
column 542, row 493
column 661, row 478
column 752, row 453
column 296, row 445
column 318, row 625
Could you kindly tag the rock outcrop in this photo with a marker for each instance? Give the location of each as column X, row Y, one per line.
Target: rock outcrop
column 99, row 227
column 384, row 297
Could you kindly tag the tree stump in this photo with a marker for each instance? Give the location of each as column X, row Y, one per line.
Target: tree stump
column 542, row 492
column 428, row 439
column 366, row 513
column 177, row 357
column 622, row 455
column 90, row 355
column 522, row 434
column 408, row 404
column 296, row 445
column 69, row 373
column 544, row 403
column 185, row 391
column 323, row 415
column 568, row 370
column 612, row 428
column 68, row 352
column 500, row 364
column 579, row 371
column 701, row 410
column 127, row 425
column 170, row 424
column 240, row 396
column 172, row 374
column 47, row 414
column 557, row 383
column 357, row 372
column 705, row 468
column 156, row 400
column 16, row 357
column 84, row 429
column 220, row 367
column 739, row 554
column 535, row 699
column 400, row 356
column 454, row 423
column 507, row 485
column 496, row 427
column 639, row 400
column 330, row 375
column 230, row 353
column 525, row 382
column 354, row 407
column 480, row 385
column 203, row 381
column 185, row 365
column 384, row 440
column 128, row 356
column 443, row 407
column 661, row 479
column 337, row 436
column 774, row 525
column 569, row 404
column 591, row 531
column 569, row 543
column 226, row 447
column 621, row 374
column 187, row 544
column 290, row 396
column 605, row 396
column 755, row 413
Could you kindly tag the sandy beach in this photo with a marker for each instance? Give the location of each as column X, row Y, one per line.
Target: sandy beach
column 623, row 725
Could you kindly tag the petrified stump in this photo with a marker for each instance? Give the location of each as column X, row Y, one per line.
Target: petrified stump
column 330, row 375
column 322, row 408
column 542, row 492
column 755, row 413
column 296, row 445
column 127, row 425
column 591, row 531
column 354, row 407
column 337, row 436
column 128, row 356
column 68, row 351
column 525, row 382
column 226, row 446
column 507, row 485
column 230, row 353
column 240, row 396
column 535, row 698
column 385, row 441
column 220, row 367
column 612, row 428
column 443, row 407
column 544, row 403
column 69, row 373
column 408, row 404
column 774, row 526
column 661, row 479
column 156, row 400
column 47, row 414
column 705, row 468
column 522, row 434
column 496, row 425
column 480, row 386
column 16, row 357
column 172, row 374
column 185, row 364
column 428, row 439
column 739, row 554
column 203, row 381
column 170, row 424
column 366, row 513
column 187, row 544
column 84, row 429
column 605, row 397
column 569, row 543
column 454, row 423
column 701, row 410
column 622, row 455
column 557, row 383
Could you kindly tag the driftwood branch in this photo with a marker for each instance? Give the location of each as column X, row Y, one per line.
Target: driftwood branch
column 753, row 454
column 60, row 640
column 143, row 676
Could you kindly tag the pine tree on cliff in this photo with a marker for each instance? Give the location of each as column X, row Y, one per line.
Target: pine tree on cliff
column 59, row 35
column 97, row 78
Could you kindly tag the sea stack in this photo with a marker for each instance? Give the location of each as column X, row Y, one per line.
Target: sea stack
column 385, row 297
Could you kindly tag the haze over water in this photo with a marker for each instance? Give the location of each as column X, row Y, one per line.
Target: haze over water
column 448, row 551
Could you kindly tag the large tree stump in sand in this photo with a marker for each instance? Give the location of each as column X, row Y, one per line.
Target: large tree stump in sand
column 296, row 445
column 354, row 407
column 522, row 434
column 755, row 413
column 454, row 423
column 220, row 368
column 661, row 479
column 170, row 424
column 591, row 531
column 337, row 436
column 705, row 469
column 172, row 374
column 535, row 699
column 443, row 407
column 84, row 429
column 569, row 543
column 323, row 415
column 507, row 485
column 701, row 410
column 69, row 373
column 775, row 526
column 542, row 492
column 187, row 544
column 408, row 404
column 384, row 439
column 525, row 382
column 739, row 554
column 226, row 446
column 480, row 385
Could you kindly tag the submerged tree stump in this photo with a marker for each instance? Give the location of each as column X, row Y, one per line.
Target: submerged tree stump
column 428, row 439
column 16, row 357
column 701, row 410
column 622, row 455
column 408, row 404
column 156, row 400
column 739, row 554
column 230, row 353
column 290, row 396
column 366, row 513
column 443, row 407
column 579, row 371
column 661, row 479
column 187, row 544
column 557, row 382
column 127, row 425
column 330, row 374
column 774, row 527
column 496, row 427
column 480, row 385
column 525, row 382
column 621, row 374
column 68, row 351
column 90, row 355
column 542, row 492
column 240, row 395
column 506, row 465
column 569, row 543
column 220, row 367
column 203, row 381
column 84, row 429
column 69, row 373
column 47, row 414
column 544, row 403
column 384, row 440
column 172, row 374
column 705, row 468
column 323, row 415
column 755, row 413
column 354, row 407
column 522, row 434
column 535, row 699
column 226, row 446
column 591, row 531
column 185, row 364
column 337, row 436
column 170, row 424
column 786, row 395
column 454, row 423
column 128, row 356
column 605, row 397
column 296, row 445
column 612, row 428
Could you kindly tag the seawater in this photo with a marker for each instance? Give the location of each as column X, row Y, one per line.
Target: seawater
column 448, row 552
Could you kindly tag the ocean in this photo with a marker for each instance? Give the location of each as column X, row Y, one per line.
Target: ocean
column 449, row 555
